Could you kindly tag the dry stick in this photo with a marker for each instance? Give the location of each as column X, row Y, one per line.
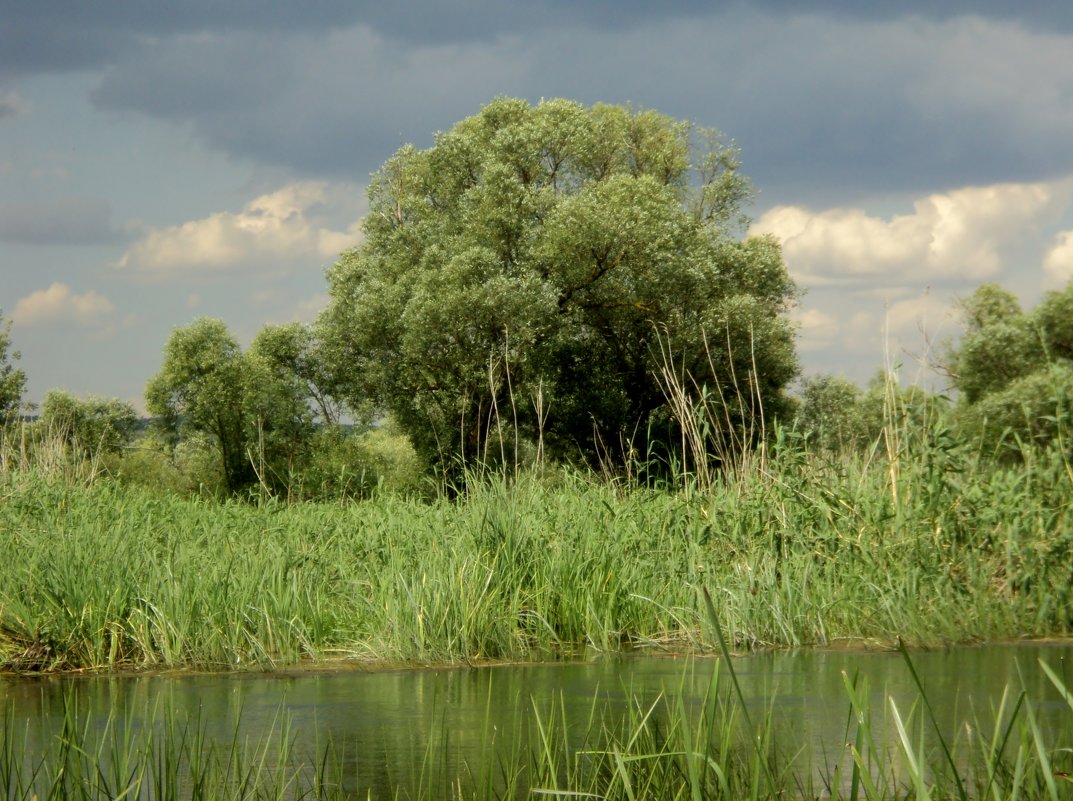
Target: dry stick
column 541, row 418
column 461, row 433
column 693, row 438
column 493, row 412
column 890, row 439
column 700, row 419
column 510, row 394
column 759, row 397
column 673, row 389
column 720, row 443
column 737, row 387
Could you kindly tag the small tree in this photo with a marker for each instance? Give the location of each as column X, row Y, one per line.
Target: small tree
column 1033, row 410
column 829, row 416
column 1054, row 319
column 280, row 420
column 12, row 379
column 92, row 426
column 1014, row 369
column 294, row 352
column 255, row 417
column 1000, row 344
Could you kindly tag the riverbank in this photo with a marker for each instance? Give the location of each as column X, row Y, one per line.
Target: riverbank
column 794, row 551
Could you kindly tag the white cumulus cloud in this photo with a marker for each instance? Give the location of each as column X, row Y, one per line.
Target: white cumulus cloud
column 856, row 332
column 307, row 310
column 60, row 304
column 11, row 103
column 1058, row 263
column 922, row 321
column 815, row 329
column 960, row 234
column 290, row 228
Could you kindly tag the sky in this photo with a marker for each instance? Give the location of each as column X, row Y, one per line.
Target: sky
column 164, row 161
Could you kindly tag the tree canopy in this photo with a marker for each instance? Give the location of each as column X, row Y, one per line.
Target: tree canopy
column 827, row 417
column 1014, row 369
column 12, row 379
column 91, row 426
column 535, row 270
column 257, row 415
column 292, row 352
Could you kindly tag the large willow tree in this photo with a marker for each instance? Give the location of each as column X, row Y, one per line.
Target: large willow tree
column 529, row 275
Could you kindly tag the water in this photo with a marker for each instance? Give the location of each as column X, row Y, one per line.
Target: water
column 431, row 726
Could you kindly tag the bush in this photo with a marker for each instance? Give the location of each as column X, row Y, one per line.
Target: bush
column 827, row 415
column 348, row 464
column 91, row 426
column 1014, row 370
column 1033, row 411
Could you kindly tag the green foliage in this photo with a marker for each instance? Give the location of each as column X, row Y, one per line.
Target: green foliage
column 294, row 353
column 932, row 545
column 201, row 387
column 888, row 410
column 1054, row 317
column 516, row 277
column 838, row 418
column 989, row 305
column 256, row 415
column 90, row 426
column 1000, row 343
column 12, row 379
column 345, row 464
column 1015, row 370
column 827, row 416
column 191, row 467
column 1031, row 411
column 237, row 419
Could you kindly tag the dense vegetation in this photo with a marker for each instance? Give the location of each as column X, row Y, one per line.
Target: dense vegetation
column 555, row 382
column 1014, row 369
column 539, row 267
column 544, row 414
column 931, row 542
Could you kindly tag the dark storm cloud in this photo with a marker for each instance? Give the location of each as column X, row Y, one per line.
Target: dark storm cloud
column 825, row 98
column 74, row 34
column 66, row 221
column 818, row 105
column 1039, row 14
column 335, row 106
column 65, row 35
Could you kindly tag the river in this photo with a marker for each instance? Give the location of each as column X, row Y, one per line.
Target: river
column 398, row 727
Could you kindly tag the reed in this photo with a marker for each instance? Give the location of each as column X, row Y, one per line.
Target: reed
column 798, row 550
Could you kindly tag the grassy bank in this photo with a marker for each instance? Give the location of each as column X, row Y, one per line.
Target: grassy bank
column 796, row 551
column 677, row 746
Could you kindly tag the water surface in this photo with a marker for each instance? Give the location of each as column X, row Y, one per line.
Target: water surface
column 440, row 724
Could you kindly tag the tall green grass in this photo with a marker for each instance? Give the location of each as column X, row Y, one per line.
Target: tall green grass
column 797, row 549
